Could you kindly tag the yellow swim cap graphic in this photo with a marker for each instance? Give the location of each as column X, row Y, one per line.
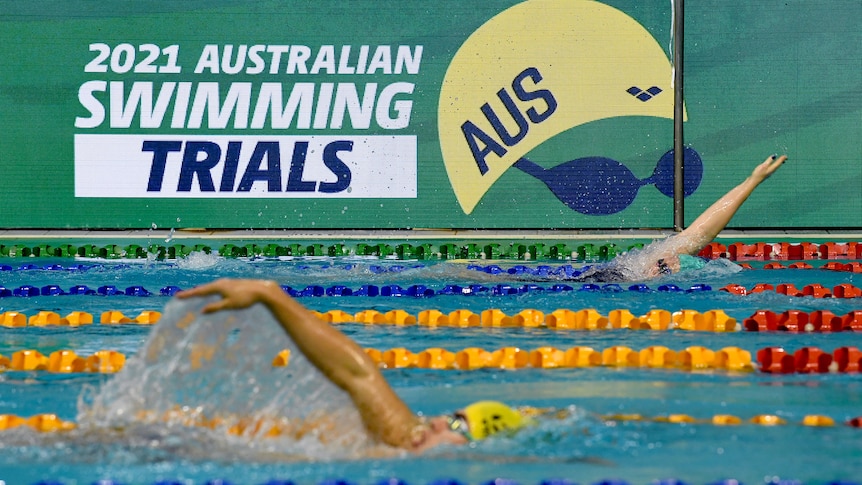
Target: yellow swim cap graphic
column 535, row 70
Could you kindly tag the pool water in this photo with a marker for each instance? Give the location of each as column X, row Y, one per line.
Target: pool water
column 584, row 446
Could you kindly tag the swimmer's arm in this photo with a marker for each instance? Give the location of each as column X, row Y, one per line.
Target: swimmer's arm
column 713, row 220
column 344, row 362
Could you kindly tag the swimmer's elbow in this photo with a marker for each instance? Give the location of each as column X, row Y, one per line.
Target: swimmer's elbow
column 355, row 375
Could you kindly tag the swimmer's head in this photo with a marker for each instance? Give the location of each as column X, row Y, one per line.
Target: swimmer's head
column 675, row 264
column 485, row 418
column 665, row 266
column 475, row 422
column 662, row 266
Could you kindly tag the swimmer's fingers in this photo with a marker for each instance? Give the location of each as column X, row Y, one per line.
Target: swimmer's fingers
column 768, row 167
column 773, row 162
column 228, row 302
column 219, row 287
column 203, row 290
column 235, row 294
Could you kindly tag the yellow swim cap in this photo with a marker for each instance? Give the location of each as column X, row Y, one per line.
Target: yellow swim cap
column 489, row 417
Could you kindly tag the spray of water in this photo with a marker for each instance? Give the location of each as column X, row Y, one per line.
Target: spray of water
column 210, row 378
column 199, row 260
column 639, row 264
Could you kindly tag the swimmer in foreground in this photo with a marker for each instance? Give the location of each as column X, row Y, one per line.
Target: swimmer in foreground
column 385, row 416
column 678, row 252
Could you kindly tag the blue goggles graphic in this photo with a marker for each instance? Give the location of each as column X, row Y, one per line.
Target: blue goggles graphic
column 602, row 186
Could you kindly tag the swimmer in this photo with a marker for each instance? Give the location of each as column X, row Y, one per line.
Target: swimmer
column 679, row 252
column 385, row 416
column 682, row 254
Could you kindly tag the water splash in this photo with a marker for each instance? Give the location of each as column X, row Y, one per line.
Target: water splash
column 638, row 264
column 210, row 378
column 199, row 260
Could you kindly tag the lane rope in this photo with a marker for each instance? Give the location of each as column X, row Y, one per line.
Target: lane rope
column 390, row 290
column 275, row 427
column 815, row 290
column 560, row 319
column 526, row 250
column 773, row 360
column 543, row 270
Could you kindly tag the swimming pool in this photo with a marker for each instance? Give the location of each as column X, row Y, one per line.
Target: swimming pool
column 598, row 440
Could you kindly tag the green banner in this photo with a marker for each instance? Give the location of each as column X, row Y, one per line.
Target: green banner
column 541, row 114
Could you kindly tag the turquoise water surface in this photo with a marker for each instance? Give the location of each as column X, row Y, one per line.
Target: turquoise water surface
column 582, row 446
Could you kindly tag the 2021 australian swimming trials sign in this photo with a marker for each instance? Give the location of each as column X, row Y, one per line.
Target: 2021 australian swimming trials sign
column 215, row 165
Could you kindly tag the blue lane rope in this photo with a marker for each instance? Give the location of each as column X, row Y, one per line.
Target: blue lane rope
column 418, row 291
column 60, row 267
column 565, row 271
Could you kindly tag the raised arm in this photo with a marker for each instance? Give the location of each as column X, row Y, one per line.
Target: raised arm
column 713, row 220
column 340, row 359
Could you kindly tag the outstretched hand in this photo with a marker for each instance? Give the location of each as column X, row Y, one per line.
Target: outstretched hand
column 236, row 294
column 767, row 168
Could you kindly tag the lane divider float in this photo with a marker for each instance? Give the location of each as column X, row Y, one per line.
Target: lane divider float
column 542, row 270
column 814, row 420
column 45, row 423
column 782, row 251
column 795, row 321
column 275, row 427
column 526, row 250
column 569, row 271
column 657, row 356
column 515, row 250
column 816, row 290
column 28, row 291
column 851, row 267
column 560, row 319
column 64, row 361
column 45, row 318
column 392, row 290
column 809, row 360
column 773, row 360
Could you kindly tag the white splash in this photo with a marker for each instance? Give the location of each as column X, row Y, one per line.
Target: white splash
column 210, row 378
column 639, row 264
column 199, row 260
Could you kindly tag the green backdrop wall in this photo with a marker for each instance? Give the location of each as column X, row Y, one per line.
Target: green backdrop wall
column 362, row 115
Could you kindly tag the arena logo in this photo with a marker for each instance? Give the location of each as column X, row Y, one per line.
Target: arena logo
column 583, row 61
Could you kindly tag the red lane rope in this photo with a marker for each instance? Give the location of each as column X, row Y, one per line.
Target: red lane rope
column 816, row 290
